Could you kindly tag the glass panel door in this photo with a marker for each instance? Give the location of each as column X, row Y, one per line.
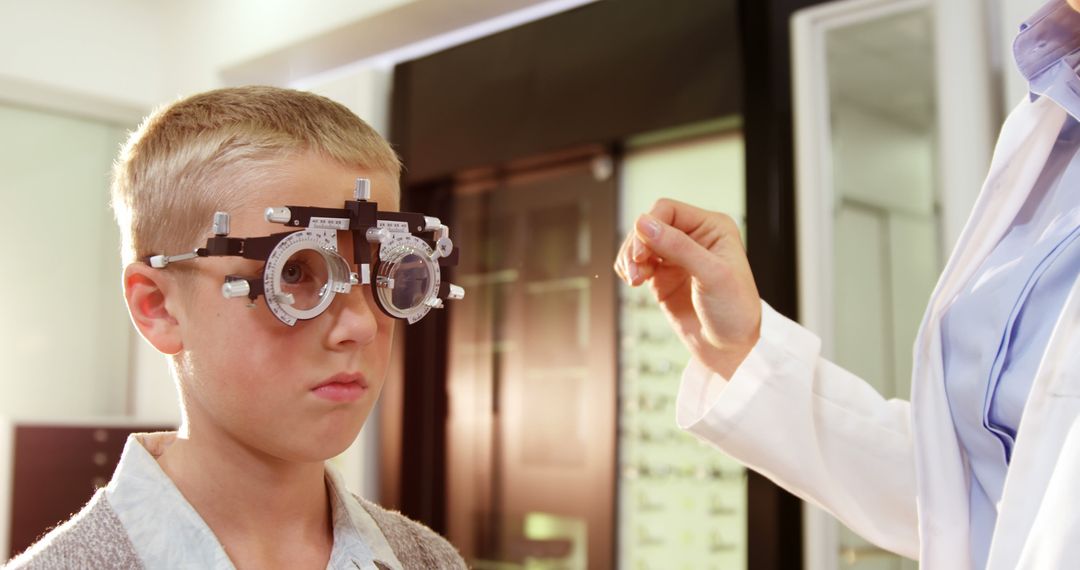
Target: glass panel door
column 869, row 208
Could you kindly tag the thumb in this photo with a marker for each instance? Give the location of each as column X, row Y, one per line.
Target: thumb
column 672, row 245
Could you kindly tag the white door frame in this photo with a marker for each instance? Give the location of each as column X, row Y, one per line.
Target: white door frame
column 966, row 124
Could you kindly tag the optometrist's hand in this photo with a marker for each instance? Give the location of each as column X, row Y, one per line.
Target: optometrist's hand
column 696, row 264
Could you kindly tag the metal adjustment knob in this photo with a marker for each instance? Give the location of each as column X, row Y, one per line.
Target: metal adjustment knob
column 221, row 223
column 235, row 288
column 377, row 235
column 362, row 192
column 431, row 224
column 278, row 215
column 455, row 292
column 443, row 248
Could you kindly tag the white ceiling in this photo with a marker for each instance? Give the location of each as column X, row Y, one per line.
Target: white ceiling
column 885, row 66
column 140, row 54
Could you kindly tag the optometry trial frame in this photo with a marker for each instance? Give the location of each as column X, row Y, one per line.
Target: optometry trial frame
column 303, row 270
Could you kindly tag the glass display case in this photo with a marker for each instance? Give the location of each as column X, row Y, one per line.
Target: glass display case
column 681, row 503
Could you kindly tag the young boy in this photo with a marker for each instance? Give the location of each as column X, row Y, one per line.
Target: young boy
column 265, row 403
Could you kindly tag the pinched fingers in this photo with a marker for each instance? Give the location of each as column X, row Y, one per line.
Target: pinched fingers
column 635, row 262
column 709, row 229
column 673, row 245
column 682, row 236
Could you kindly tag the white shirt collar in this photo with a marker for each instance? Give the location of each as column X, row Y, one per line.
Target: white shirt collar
column 167, row 532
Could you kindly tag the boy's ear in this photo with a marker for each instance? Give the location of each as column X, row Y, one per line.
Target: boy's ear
column 145, row 290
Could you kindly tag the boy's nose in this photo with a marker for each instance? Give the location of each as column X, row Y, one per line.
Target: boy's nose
column 354, row 320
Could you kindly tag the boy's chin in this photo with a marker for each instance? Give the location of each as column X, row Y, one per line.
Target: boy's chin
column 315, row 450
column 316, row 444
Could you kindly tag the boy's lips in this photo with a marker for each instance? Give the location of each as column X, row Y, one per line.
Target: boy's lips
column 342, row 387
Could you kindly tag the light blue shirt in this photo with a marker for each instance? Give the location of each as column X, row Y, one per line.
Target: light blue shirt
column 167, row 532
column 996, row 330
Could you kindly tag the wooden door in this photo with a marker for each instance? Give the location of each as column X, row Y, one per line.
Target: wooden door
column 532, row 387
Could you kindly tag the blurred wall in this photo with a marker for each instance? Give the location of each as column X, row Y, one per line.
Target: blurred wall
column 109, row 48
column 146, row 53
column 64, row 335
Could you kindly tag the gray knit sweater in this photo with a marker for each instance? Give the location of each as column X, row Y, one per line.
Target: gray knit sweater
column 95, row 539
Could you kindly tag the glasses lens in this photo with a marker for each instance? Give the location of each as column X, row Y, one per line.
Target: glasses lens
column 411, row 282
column 304, row 276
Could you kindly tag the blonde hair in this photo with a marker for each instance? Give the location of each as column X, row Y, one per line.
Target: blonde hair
column 197, row 155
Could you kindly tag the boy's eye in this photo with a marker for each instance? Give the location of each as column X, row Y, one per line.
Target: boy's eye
column 299, row 268
column 292, row 273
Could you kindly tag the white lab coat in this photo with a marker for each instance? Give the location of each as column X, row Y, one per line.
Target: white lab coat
column 891, row 470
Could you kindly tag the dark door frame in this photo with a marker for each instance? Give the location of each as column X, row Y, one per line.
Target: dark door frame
column 774, row 526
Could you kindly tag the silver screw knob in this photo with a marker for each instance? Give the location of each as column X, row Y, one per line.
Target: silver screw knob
column 278, row 215
column 235, row 288
column 362, row 192
column 377, row 235
column 221, row 223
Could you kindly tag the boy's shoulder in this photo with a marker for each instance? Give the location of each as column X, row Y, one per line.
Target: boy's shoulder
column 415, row 545
column 92, row 538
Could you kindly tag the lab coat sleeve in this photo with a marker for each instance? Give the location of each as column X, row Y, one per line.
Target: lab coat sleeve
column 815, row 429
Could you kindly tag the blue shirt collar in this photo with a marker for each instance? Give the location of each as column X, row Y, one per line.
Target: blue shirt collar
column 1047, row 53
